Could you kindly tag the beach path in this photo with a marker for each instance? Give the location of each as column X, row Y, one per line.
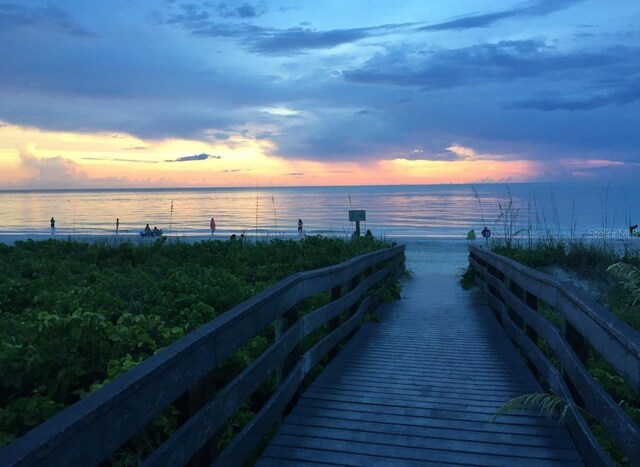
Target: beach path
column 420, row 387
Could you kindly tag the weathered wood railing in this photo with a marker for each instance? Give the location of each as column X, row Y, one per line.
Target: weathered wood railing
column 91, row 430
column 514, row 292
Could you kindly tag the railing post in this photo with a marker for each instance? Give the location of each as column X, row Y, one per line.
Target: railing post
column 532, row 302
column 281, row 325
column 334, row 323
column 581, row 348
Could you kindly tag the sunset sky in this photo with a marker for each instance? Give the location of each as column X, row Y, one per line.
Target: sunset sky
column 151, row 93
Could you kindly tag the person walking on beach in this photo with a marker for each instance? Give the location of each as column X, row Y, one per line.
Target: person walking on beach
column 117, row 225
column 53, row 226
column 300, row 226
column 212, row 224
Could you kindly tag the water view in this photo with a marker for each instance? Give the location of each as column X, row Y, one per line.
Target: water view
column 441, row 211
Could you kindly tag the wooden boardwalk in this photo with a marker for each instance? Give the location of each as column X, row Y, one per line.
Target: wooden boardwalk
column 419, row 388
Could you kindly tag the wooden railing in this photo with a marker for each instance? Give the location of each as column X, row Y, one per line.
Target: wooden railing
column 89, row 431
column 514, row 293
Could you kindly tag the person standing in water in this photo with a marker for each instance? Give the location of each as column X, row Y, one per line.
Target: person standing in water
column 300, row 226
column 212, row 224
column 53, row 226
column 117, row 225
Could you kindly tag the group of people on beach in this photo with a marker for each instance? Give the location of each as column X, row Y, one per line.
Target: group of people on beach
column 148, row 232
column 155, row 232
column 212, row 226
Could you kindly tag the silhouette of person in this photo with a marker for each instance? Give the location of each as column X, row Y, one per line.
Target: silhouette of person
column 300, row 226
column 486, row 233
column 117, row 225
column 53, row 225
column 212, row 224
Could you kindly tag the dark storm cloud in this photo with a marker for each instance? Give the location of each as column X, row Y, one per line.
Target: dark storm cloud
column 536, row 8
column 51, row 17
column 482, row 63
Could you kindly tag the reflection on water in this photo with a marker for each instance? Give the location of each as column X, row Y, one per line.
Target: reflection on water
column 447, row 211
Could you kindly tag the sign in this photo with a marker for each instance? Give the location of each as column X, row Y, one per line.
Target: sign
column 357, row 215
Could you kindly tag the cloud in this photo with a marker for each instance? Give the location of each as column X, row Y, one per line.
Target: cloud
column 274, row 41
column 50, row 169
column 619, row 97
column 454, row 152
column 587, row 169
column 484, row 63
column 423, row 155
column 59, row 172
column 295, row 40
column 235, row 170
column 196, row 157
column 118, row 159
column 243, row 11
column 136, row 148
column 294, row 174
column 536, row 8
column 51, row 17
column 470, row 154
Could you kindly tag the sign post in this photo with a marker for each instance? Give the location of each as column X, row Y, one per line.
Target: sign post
column 357, row 215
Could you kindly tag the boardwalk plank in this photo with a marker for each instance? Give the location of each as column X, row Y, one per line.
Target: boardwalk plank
column 420, row 388
column 511, row 439
column 406, row 453
column 438, row 443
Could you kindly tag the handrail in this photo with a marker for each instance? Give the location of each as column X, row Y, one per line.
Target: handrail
column 89, row 431
column 513, row 291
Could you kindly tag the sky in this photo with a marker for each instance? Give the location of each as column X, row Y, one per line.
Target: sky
column 152, row 93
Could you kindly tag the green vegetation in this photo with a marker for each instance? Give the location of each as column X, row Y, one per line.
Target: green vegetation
column 468, row 278
column 594, row 263
column 73, row 316
column 541, row 402
column 630, row 277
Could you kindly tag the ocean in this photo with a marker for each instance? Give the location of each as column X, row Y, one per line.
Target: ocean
column 431, row 211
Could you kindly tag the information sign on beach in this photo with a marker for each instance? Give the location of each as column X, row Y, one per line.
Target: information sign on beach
column 356, row 215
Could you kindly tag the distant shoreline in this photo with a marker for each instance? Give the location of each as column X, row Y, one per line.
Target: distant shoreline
column 295, row 187
column 137, row 239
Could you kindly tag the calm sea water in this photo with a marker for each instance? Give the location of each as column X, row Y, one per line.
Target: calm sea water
column 433, row 211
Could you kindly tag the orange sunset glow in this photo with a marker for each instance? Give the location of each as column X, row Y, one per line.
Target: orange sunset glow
column 48, row 159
